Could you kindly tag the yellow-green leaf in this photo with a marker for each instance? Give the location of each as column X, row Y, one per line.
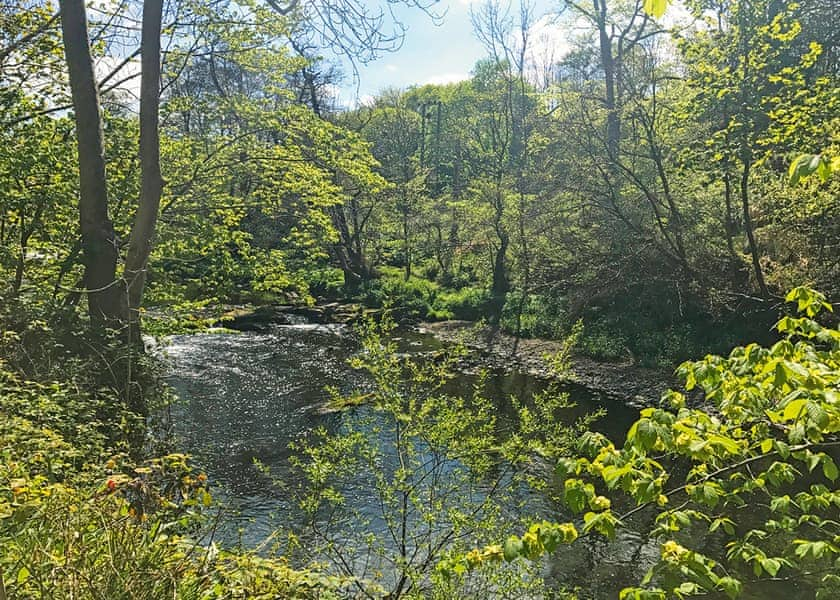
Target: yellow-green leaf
column 656, row 8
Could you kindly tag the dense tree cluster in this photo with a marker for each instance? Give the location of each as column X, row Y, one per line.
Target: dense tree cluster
column 638, row 180
column 641, row 183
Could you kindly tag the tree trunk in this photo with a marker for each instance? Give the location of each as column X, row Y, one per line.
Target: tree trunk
column 748, row 227
column 151, row 186
column 500, row 285
column 21, row 262
column 353, row 264
column 99, row 242
column 406, row 240
column 26, row 232
column 730, row 221
column 608, row 64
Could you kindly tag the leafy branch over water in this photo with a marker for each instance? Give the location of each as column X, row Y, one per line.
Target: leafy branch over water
column 441, row 473
column 753, row 471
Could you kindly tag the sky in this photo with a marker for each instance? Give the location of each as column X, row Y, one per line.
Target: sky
column 433, row 51
column 430, row 53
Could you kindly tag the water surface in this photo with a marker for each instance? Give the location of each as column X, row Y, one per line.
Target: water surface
column 246, row 396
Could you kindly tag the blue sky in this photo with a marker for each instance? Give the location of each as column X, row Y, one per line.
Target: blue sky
column 430, row 53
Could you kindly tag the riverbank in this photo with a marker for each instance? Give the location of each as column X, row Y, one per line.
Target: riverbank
column 626, row 381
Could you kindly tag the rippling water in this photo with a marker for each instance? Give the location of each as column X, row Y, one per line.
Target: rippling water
column 246, row 396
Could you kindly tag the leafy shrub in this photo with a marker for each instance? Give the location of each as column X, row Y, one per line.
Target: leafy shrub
column 468, row 303
column 738, row 493
column 78, row 520
column 439, row 468
column 410, row 299
column 541, row 316
column 328, row 282
column 600, row 343
column 77, row 543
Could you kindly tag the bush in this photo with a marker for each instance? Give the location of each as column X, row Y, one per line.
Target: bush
column 467, row 304
column 410, row 299
column 738, row 493
column 542, row 316
column 619, row 337
column 327, row 282
column 600, row 343
column 84, row 544
column 441, row 470
column 80, row 519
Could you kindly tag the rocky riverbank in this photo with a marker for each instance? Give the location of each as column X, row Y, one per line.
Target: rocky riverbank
column 259, row 318
column 625, row 382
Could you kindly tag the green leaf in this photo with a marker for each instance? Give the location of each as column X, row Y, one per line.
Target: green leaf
column 612, row 474
column 645, row 434
column 813, row 460
column 793, row 409
column 577, row 494
column 803, row 166
column 513, row 548
column 824, row 170
column 565, row 467
column 780, row 504
column 23, row 575
column 829, row 468
column 730, row 586
column 604, row 523
column 771, row 565
column 816, row 414
column 656, row 8
column 728, row 444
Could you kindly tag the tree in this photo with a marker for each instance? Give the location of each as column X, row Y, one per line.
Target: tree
column 754, row 76
column 112, row 300
column 613, row 105
column 151, row 181
column 36, row 221
column 99, row 241
column 395, row 132
column 256, row 180
column 30, row 58
column 432, row 470
column 755, row 471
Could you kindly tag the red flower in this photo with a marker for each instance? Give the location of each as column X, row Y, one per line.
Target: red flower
column 112, row 485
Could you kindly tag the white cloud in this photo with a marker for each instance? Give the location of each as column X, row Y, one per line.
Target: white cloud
column 549, row 40
column 445, row 78
column 392, row 68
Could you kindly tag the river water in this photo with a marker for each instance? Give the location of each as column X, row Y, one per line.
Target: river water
column 246, row 396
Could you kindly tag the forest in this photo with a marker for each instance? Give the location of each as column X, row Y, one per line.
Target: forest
column 200, row 239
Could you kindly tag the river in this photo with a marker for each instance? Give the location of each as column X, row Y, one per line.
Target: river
column 246, row 396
